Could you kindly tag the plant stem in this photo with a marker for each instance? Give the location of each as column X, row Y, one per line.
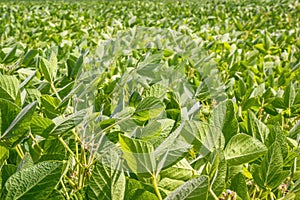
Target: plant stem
column 69, row 150
column 37, row 144
column 20, row 151
column 55, row 91
column 64, row 188
column 154, row 181
column 213, row 194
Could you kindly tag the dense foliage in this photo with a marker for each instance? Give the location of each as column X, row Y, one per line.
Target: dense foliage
column 150, row 100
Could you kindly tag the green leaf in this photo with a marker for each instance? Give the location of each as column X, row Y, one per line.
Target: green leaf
column 64, row 125
column 10, row 56
column 25, row 162
column 257, row 128
column 77, row 67
column 182, row 170
column 39, row 125
column 9, row 87
column 271, row 169
column 7, row 107
column 277, row 135
column 238, row 184
column 4, row 153
column 289, row 95
column 243, row 148
column 138, row 155
column 134, row 99
column 49, row 68
column 36, row 182
column 29, row 56
column 194, row 189
column 223, row 117
column 17, row 130
column 148, row 108
column 218, row 172
column 108, row 179
column 155, row 90
column 139, row 190
column 204, row 137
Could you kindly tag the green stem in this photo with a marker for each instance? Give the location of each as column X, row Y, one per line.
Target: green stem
column 82, row 170
column 69, row 150
column 213, row 194
column 65, row 189
column 37, row 144
column 20, row 151
column 154, row 181
column 55, row 91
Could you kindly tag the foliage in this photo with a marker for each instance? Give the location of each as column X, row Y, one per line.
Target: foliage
column 149, row 100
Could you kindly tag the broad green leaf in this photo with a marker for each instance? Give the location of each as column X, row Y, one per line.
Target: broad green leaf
column 77, row 68
column 108, row 179
column 64, row 125
column 29, row 56
column 170, row 184
column 25, row 162
column 223, row 117
column 134, row 99
column 49, row 68
column 277, row 135
column 138, row 154
column 148, row 108
column 295, row 131
column 218, row 172
column 155, row 90
column 10, row 56
column 7, row 107
column 182, row 170
column 271, row 168
column 17, row 130
column 36, row 182
column 238, row 184
column 172, row 149
column 243, row 148
column 191, row 190
column 9, row 87
column 6, row 171
column 204, row 137
column 39, row 125
column 257, row 128
column 139, row 190
column 289, row 95
column 4, row 153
